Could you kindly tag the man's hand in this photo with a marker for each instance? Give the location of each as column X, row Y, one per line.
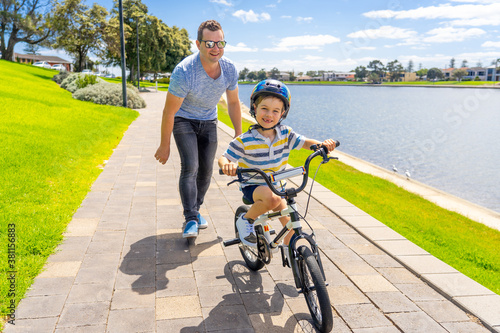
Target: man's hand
column 162, row 154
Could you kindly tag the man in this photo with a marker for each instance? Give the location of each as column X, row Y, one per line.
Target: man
column 190, row 113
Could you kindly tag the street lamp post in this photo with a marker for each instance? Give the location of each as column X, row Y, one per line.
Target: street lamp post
column 122, row 42
column 138, row 62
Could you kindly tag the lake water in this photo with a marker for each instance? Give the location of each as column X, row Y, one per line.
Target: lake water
column 448, row 138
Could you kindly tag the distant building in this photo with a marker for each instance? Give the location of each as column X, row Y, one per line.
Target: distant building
column 305, row 78
column 31, row 58
column 337, row 76
column 476, row 72
column 284, row 76
column 492, row 74
column 406, row 76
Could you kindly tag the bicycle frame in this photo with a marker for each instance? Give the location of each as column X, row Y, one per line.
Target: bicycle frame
column 295, row 224
column 290, row 210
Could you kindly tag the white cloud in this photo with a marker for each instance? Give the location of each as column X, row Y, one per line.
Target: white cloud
column 303, row 42
column 479, row 13
column 304, row 19
column 450, row 34
column 476, row 1
column 385, row 31
column 251, row 16
column 491, row 44
column 240, row 47
column 222, row 2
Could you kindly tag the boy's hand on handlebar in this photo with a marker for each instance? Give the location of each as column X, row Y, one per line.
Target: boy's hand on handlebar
column 229, row 169
column 330, row 144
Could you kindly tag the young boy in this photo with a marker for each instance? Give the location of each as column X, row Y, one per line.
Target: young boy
column 266, row 146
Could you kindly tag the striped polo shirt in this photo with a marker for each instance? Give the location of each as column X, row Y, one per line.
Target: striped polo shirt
column 253, row 150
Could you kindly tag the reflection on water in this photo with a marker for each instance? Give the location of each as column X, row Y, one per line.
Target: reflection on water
column 448, row 138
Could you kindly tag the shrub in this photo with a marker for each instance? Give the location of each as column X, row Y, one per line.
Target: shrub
column 110, row 94
column 76, row 81
column 85, row 80
column 164, row 80
column 58, row 78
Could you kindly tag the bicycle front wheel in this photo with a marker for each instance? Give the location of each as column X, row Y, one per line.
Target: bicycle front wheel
column 314, row 290
column 251, row 258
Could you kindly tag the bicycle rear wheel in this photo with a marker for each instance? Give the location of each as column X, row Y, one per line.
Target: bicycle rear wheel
column 314, row 290
column 251, row 259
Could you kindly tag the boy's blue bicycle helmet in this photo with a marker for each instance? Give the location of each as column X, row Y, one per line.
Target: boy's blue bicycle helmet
column 274, row 88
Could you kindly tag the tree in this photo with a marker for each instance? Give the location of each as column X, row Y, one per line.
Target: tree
column 421, row 73
column 161, row 47
column 252, row 76
column 81, row 31
column 395, row 69
column 452, row 63
column 32, row 49
column 458, row 74
column 311, row 73
column 464, row 63
column 373, row 77
column 179, row 47
column 274, row 74
column 410, row 67
column 377, row 68
column 26, row 21
column 243, row 74
column 261, row 75
column 361, row 73
column 434, row 73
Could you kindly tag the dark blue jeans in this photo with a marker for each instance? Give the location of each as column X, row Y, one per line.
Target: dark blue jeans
column 196, row 141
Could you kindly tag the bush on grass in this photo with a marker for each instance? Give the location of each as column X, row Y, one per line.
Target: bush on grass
column 59, row 78
column 78, row 81
column 110, row 94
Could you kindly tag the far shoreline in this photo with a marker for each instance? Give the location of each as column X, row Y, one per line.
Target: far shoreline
column 429, row 85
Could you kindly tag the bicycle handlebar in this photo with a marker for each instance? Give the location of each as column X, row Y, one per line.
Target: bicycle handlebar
column 318, row 150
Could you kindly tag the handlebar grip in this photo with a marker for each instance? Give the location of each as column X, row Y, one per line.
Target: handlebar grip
column 318, row 146
column 221, row 172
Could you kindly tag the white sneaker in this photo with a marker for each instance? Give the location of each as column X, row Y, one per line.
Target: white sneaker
column 246, row 232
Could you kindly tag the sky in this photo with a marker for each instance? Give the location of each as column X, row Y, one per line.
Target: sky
column 339, row 35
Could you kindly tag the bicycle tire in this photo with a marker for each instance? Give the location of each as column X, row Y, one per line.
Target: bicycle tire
column 314, row 289
column 253, row 262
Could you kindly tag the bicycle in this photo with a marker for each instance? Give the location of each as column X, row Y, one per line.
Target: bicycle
column 305, row 260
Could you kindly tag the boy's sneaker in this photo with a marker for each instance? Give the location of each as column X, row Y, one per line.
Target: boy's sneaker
column 190, row 229
column 202, row 223
column 246, row 232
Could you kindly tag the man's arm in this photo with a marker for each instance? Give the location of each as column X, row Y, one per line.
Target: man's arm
column 234, row 110
column 172, row 105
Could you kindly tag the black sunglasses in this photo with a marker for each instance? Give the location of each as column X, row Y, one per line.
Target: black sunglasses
column 211, row 44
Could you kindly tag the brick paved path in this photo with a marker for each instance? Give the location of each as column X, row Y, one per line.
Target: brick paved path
column 124, row 267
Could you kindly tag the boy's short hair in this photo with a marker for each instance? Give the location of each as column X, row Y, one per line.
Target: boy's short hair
column 263, row 96
column 211, row 25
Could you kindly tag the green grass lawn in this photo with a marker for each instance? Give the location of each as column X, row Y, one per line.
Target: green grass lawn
column 468, row 246
column 52, row 150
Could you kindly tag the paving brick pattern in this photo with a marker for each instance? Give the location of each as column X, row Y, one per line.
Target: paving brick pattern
column 123, row 266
